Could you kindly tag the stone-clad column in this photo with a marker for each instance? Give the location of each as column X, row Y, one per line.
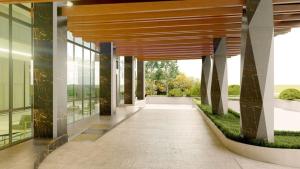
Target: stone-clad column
column 256, row 102
column 108, row 89
column 206, row 80
column 140, row 80
column 50, row 72
column 219, row 86
column 129, row 76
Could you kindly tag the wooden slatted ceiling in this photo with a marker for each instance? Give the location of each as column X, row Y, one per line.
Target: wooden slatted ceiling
column 181, row 29
column 157, row 29
column 171, row 30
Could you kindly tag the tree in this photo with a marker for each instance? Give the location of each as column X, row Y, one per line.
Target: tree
column 159, row 74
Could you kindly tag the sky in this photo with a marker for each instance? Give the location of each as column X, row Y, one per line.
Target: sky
column 286, row 62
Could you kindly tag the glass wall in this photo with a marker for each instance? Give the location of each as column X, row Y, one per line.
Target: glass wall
column 15, row 73
column 82, row 75
column 122, row 78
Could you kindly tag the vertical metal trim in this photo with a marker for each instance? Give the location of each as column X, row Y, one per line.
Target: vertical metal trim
column 24, row 86
column 10, row 74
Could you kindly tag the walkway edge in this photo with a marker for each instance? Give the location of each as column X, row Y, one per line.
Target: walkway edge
column 285, row 157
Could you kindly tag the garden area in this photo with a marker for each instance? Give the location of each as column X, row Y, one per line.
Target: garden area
column 229, row 125
column 164, row 78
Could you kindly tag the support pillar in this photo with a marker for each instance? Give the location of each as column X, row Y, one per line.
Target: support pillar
column 140, row 80
column 108, row 87
column 50, row 72
column 206, row 80
column 219, row 86
column 256, row 102
column 129, row 85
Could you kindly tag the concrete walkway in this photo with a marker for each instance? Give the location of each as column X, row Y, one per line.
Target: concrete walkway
column 160, row 136
column 286, row 120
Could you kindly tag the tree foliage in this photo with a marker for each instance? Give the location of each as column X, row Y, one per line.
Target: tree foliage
column 234, row 90
column 164, row 78
column 158, row 74
column 290, row 94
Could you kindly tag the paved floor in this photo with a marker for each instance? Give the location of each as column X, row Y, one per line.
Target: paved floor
column 160, row 136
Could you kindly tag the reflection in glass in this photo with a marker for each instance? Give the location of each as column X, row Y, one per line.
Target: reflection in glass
column 15, row 73
column 4, row 128
column 82, row 72
column 70, row 81
column 122, row 79
column 21, row 55
column 87, row 83
column 97, row 81
column 78, row 77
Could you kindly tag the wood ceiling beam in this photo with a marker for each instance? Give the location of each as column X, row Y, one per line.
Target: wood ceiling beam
column 113, row 37
column 195, row 13
column 209, row 28
column 156, row 24
column 144, row 7
column 278, row 2
column 287, row 8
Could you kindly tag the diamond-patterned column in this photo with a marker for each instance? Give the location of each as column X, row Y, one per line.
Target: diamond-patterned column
column 140, row 91
column 219, row 85
column 256, row 102
column 129, row 76
column 108, row 89
column 206, row 80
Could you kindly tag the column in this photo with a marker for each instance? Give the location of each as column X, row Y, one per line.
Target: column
column 129, row 85
column 219, row 85
column 206, row 80
column 50, row 72
column 140, row 80
column 257, row 83
column 107, row 80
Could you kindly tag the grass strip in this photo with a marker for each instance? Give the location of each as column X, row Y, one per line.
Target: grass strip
column 229, row 124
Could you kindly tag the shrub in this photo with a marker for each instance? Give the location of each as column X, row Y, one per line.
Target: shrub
column 290, row 94
column 234, row 90
column 195, row 89
column 175, row 93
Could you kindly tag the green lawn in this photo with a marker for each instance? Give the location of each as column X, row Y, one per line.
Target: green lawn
column 230, row 126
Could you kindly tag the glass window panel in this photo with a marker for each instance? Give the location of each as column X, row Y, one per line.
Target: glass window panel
column 70, row 81
column 21, row 124
column 87, row 44
column 4, row 59
column 18, row 84
column 97, row 81
column 93, row 89
column 93, row 47
column 22, row 13
column 22, row 58
column 122, row 79
column 28, row 76
column 4, row 128
column 78, row 79
column 87, row 82
column 70, row 36
column 78, row 40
